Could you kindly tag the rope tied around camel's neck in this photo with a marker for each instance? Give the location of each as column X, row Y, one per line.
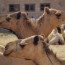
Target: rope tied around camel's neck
column 47, row 52
column 49, row 58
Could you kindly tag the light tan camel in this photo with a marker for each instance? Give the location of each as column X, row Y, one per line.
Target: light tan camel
column 57, row 36
column 50, row 19
column 12, row 61
column 33, row 48
column 19, row 23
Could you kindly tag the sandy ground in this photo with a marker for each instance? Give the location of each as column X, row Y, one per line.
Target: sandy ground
column 6, row 36
column 59, row 51
column 5, row 39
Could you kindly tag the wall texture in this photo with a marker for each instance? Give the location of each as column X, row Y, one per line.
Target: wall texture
column 57, row 4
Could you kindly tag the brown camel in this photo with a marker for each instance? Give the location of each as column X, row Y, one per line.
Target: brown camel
column 50, row 19
column 33, row 48
column 23, row 27
column 19, row 23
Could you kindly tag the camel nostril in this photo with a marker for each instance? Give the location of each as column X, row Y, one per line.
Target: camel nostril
column 5, row 54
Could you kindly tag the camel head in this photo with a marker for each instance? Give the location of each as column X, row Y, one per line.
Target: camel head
column 50, row 19
column 53, row 17
column 12, row 20
column 57, row 36
column 33, row 48
column 26, row 48
column 18, row 22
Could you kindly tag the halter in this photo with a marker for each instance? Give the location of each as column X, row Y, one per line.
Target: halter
column 50, row 59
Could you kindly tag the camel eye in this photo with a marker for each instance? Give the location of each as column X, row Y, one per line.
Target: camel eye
column 8, row 19
column 58, row 15
column 25, row 18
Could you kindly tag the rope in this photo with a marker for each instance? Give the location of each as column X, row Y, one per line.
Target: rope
column 49, row 58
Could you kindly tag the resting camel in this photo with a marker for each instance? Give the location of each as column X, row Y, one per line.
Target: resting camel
column 50, row 19
column 33, row 48
column 19, row 23
column 57, row 36
column 12, row 61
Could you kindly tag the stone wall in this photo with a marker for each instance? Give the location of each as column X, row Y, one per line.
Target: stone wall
column 57, row 4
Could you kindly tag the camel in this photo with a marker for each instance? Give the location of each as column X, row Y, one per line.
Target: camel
column 50, row 19
column 23, row 27
column 12, row 61
column 33, row 48
column 57, row 36
column 19, row 23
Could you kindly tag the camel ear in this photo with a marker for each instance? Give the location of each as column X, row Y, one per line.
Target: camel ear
column 18, row 15
column 59, row 30
column 46, row 9
column 43, row 35
column 36, row 39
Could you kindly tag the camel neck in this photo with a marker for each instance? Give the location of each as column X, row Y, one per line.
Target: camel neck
column 47, row 59
column 21, row 34
column 42, row 59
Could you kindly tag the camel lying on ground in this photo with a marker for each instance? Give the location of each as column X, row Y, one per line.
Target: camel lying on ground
column 33, row 48
column 12, row 61
column 57, row 36
column 19, row 23
column 50, row 19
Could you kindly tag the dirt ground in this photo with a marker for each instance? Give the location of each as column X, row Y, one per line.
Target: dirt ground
column 5, row 39
column 59, row 51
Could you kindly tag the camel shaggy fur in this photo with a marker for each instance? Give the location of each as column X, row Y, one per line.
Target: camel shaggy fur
column 19, row 23
column 57, row 36
column 50, row 19
column 33, row 48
